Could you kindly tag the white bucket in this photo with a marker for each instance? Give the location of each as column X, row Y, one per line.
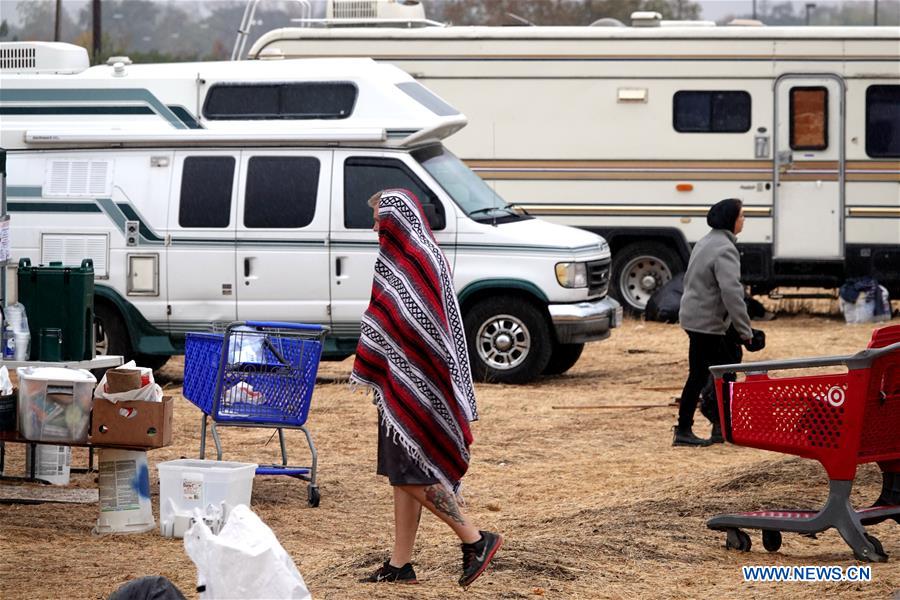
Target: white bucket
column 211, row 486
column 51, row 463
column 124, row 492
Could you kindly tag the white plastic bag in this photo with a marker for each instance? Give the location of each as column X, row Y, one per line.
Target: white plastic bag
column 148, row 393
column 244, row 561
column 246, row 345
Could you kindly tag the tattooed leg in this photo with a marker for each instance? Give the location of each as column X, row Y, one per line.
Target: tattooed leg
column 443, row 504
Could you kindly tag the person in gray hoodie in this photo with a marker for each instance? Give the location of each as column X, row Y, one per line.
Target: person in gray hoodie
column 713, row 300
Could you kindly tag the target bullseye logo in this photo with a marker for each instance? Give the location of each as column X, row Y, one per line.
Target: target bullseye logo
column 835, row 396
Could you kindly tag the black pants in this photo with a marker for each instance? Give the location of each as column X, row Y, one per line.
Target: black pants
column 705, row 351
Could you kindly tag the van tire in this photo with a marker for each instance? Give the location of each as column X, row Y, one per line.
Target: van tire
column 503, row 330
column 110, row 332
column 563, row 358
column 639, row 270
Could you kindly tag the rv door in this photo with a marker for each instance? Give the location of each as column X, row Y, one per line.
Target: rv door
column 809, row 167
column 201, row 254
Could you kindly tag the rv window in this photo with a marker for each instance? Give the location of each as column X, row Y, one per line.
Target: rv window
column 363, row 176
column 809, row 118
column 304, row 100
column 206, row 183
column 281, row 191
column 883, row 121
column 423, row 96
column 711, row 112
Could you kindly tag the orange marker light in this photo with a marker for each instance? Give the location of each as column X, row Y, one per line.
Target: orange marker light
column 684, row 187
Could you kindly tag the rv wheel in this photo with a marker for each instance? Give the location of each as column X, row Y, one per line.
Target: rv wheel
column 110, row 333
column 509, row 340
column 639, row 270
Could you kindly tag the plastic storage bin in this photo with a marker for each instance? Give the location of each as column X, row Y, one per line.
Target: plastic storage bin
column 60, row 297
column 187, row 484
column 55, row 404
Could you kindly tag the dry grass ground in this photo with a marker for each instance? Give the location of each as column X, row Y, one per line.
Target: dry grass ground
column 593, row 503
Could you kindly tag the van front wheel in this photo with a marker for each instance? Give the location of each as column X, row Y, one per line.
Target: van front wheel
column 509, row 340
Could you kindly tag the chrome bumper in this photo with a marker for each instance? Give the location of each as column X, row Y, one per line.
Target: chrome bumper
column 585, row 321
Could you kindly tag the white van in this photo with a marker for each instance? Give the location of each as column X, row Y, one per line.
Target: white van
column 213, row 192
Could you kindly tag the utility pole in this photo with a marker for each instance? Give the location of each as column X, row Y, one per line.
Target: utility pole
column 56, row 24
column 754, row 9
column 809, row 7
column 97, row 34
column 875, row 17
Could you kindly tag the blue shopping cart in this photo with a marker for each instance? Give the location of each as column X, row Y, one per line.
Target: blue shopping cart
column 256, row 374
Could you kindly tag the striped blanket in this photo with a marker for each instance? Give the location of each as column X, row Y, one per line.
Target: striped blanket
column 412, row 349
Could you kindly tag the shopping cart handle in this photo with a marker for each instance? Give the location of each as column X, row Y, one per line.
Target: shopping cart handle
column 285, row 325
column 860, row 360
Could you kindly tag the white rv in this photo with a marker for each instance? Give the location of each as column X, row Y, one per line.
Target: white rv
column 214, row 192
column 633, row 132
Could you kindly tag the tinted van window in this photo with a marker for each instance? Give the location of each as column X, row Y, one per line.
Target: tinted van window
column 363, row 176
column 206, row 183
column 281, row 191
column 304, row 100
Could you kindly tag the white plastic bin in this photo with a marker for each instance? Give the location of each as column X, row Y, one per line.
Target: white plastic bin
column 52, row 463
column 55, row 404
column 188, row 484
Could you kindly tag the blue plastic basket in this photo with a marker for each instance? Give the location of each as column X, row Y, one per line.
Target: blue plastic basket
column 261, row 376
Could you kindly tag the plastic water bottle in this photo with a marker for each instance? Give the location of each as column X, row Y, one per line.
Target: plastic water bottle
column 9, row 343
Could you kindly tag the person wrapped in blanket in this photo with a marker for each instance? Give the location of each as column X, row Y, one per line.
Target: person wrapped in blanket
column 714, row 316
column 412, row 355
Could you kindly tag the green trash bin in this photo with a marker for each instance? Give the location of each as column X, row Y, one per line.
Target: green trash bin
column 59, row 297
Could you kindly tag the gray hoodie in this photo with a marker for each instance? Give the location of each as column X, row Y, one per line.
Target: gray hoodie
column 713, row 295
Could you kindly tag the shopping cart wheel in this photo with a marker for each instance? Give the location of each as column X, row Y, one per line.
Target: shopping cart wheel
column 771, row 540
column 738, row 540
column 880, row 555
column 313, row 496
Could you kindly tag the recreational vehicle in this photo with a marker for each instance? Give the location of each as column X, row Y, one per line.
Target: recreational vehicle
column 632, row 132
column 215, row 192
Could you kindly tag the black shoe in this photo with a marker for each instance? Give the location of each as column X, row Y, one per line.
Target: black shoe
column 716, row 437
column 687, row 438
column 391, row 574
column 477, row 556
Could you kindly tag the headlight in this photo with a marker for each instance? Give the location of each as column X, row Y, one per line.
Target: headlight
column 572, row 274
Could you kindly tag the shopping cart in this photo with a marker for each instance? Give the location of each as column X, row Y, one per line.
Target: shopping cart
column 841, row 420
column 256, row 374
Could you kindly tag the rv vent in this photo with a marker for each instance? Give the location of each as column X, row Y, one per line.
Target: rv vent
column 355, row 9
column 78, row 179
column 17, row 58
column 71, row 248
column 42, row 57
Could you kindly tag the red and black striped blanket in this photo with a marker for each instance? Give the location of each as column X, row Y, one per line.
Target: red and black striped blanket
column 412, row 348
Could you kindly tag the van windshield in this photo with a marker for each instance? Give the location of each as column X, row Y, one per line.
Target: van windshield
column 467, row 189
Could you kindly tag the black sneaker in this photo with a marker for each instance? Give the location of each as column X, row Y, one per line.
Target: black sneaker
column 391, row 574
column 686, row 437
column 477, row 556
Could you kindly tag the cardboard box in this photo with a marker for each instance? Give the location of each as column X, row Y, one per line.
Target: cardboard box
column 134, row 423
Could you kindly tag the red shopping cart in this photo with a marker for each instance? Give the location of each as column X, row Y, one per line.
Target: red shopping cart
column 257, row 374
column 841, row 420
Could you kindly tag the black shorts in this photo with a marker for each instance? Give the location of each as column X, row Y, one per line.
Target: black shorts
column 395, row 464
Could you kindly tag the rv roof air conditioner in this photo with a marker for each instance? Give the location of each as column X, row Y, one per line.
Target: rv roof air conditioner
column 645, row 18
column 43, row 57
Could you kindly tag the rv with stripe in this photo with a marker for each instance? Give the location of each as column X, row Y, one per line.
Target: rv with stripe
column 633, row 132
column 212, row 192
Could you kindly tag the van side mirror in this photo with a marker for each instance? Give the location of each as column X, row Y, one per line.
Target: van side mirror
column 435, row 219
